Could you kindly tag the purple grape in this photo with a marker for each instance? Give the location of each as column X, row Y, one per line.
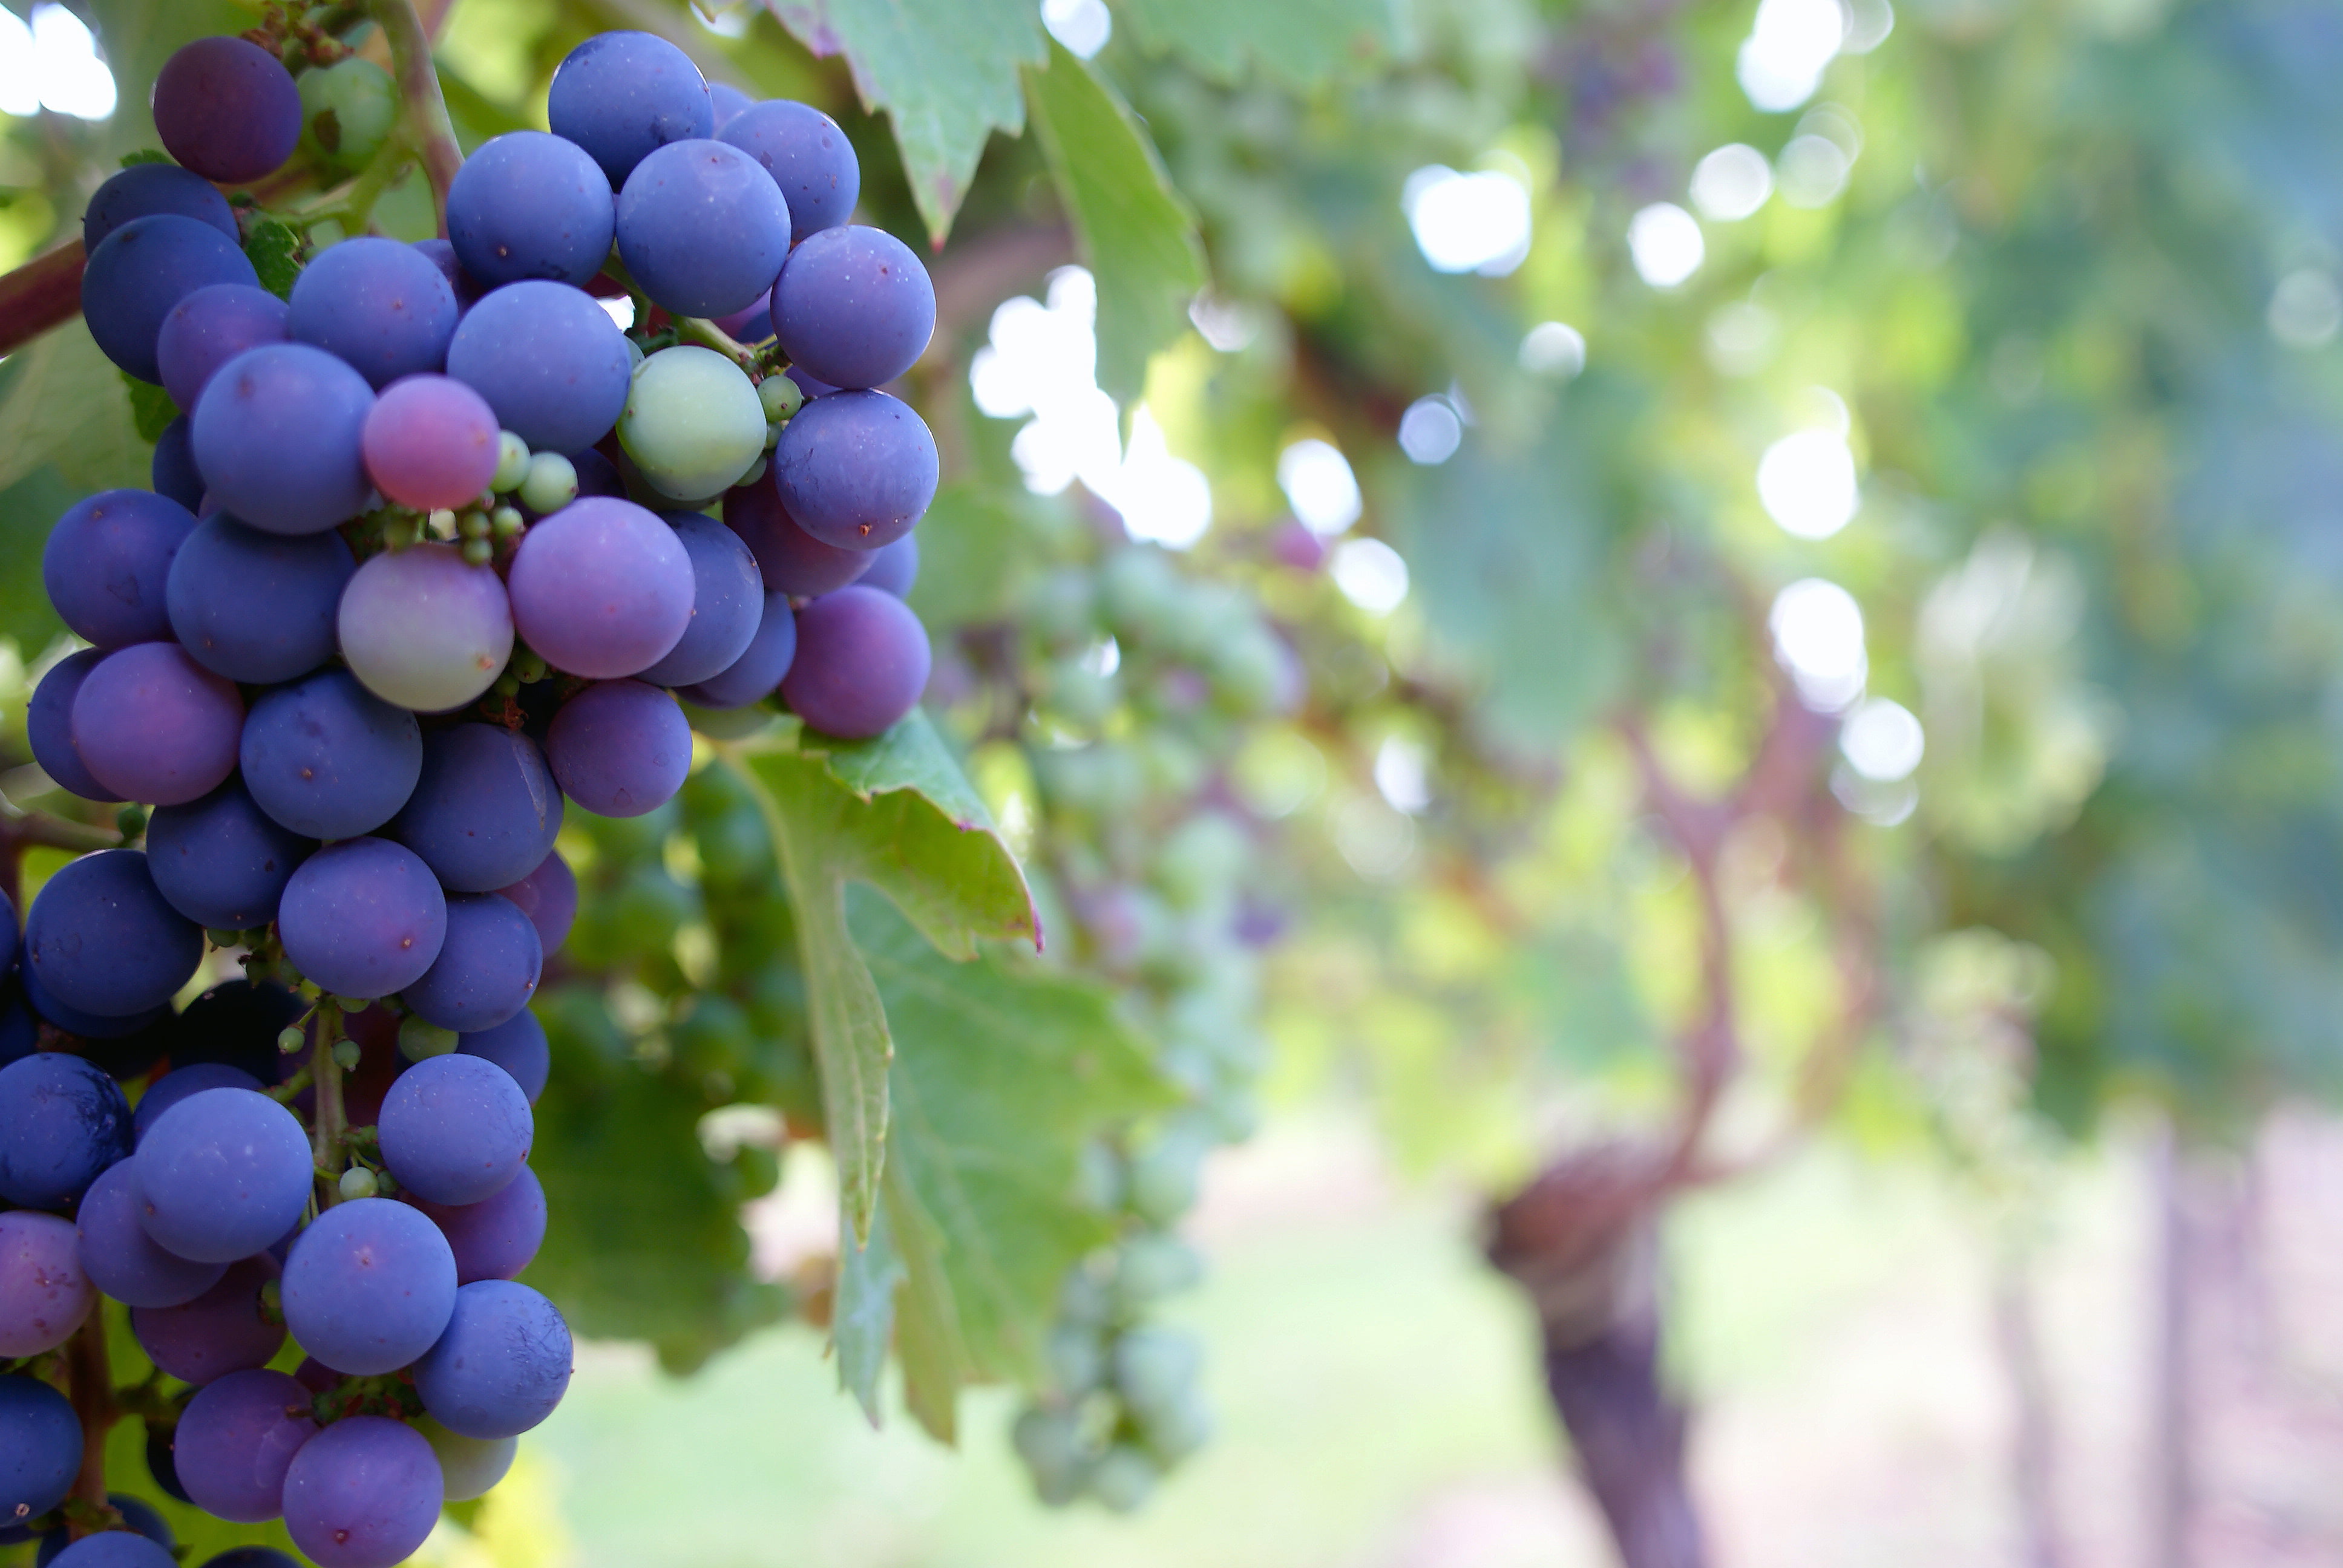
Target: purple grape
column 139, row 1518
column 121, row 1258
column 487, row 970
column 20, row 1029
column 623, row 96
column 106, row 561
column 182, row 1081
column 430, row 442
column 811, row 385
column 484, row 813
column 40, row 1447
column 727, row 601
column 441, row 254
column 753, row 677
column 378, row 305
column 601, row 588
column 277, row 436
column 208, row 328
column 328, row 758
column 254, row 1557
column 152, row 724
column 548, row 896
column 856, row 470
column 792, row 560
column 370, row 1286
column 237, row 1023
column 174, row 472
column 429, row 585
column 529, row 206
column 895, row 567
column 502, row 1365
column 227, row 109
column 862, row 663
column 45, row 1290
column 142, row 190
column 854, row 306
column 620, row 748
column 225, row 1172
column 48, row 725
column 496, row 1237
column 103, row 940
column 702, row 227
column 222, row 861
column 363, row 918
column 549, row 359
column 225, row 1329
column 89, row 1026
column 455, row 1129
column 597, row 475
column 256, row 607
column 363, row 1493
column 807, row 157
column 113, row 1549
column 235, row 1440
column 727, row 101
column 144, row 268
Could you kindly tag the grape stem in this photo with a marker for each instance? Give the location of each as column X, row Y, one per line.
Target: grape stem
column 708, row 335
column 355, row 208
column 92, row 1385
column 428, row 128
column 332, row 1123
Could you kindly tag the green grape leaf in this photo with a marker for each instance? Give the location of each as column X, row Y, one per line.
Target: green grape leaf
column 273, row 250
column 151, row 408
column 1300, row 42
column 968, row 550
column 897, row 814
column 863, row 1311
column 1137, row 236
column 944, row 70
column 62, row 403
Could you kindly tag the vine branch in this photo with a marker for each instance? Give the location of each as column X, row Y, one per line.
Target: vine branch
column 44, row 292
column 92, row 1391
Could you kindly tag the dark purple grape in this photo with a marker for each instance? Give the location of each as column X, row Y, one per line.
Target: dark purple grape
column 597, row 475
column 753, row 677
column 48, row 725
column 727, row 601
column 46, row 1291
column 807, row 157
column 529, row 206
column 378, row 305
column 727, row 101
column 620, row 748
column 142, row 1522
column 255, row 606
column 856, row 470
column 174, row 472
column 502, row 1365
column 496, row 1237
column 792, row 561
column 106, row 561
column 455, row 1129
column 127, row 1031
column 40, row 1447
column 144, row 268
column 182, row 1081
column 441, row 254
column 121, row 1259
column 813, row 386
column 623, row 96
column 549, row 360
column 370, row 1286
column 487, row 970
column 601, row 588
column 862, row 663
column 430, row 443
column 277, row 436
column 328, row 758
column 854, row 306
column 895, row 567
column 101, row 937
column 237, row 1023
column 20, row 1028
column 208, row 328
column 225, row 1329
column 363, row 1493
column 363, row 918
column 485, row 810
column 142, row 190
column 702, row 228
column 519, row 1046
column 222, row 861
column 225, row 1172
column 152, row 724
column 227, row 109
column 548, row 896
column 235, row 1440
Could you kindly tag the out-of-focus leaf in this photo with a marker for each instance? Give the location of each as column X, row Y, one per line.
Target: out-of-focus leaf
column 1301, row 42
column 862, row 1315
column 62, row 403
column 151, row 408
column 945, row 71
column 967, row 552
column 1136, row 234
column 27, row 510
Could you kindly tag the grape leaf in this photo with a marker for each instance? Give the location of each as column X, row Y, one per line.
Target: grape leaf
column 151, row 408
column 946, row 72
column 1137, row 236
column 1301, row 42
column 895, row 813
column 273, row 248
column 62, row 402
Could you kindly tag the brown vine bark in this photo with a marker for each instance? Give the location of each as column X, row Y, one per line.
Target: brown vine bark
column 44, row 292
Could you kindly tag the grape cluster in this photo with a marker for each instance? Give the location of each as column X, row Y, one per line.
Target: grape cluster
column 428, row 555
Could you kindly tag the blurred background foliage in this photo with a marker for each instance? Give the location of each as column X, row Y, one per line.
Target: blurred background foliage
column 1625, row 585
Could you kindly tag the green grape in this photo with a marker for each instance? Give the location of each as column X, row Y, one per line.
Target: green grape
column 1179, row 1429
column 729, row 723
column 716, row 1037
column 1079, row 694
column 1083, row 1299
column 1140, row 595
column 1103, row 780
column 357, row 1182
column 1152, row 1267
column 1164, row 1176
column 1076, row 1358
column 1156, row 1367
column 1061, row 607
column 647, row 907
column 577, row 1024
column 512, row 463
column 550, row 484
column 348, row 113
column 1202, row 860
column 1169, row 763
column 419, row 1038
column 1050, row 1443
column 692, row 423
column 780, row 397
column 1123, row 1479
column 1249, row 672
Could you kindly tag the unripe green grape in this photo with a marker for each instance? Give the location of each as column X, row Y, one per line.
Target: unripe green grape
column 347, row 112
column 1164, row 1176
column 634, row 355
column 1178, row 1431
column 1150, row 1268
column 472, row 524
column 1075, row 691
column 780, row 397
column 419, row 1038
column 772, row 437
column 1154, row 1367
column 506, row 522
column 1076, row 1358
column 756, row 471
column 1140, row 595
column 1200, row 860
column 289, row 1040
column 1048, row 1439
column 357, row 1182
column 729, row 723
column 1083, row 1300
column 347, row 1054
column 1123, row 1479
column 550, row 484
column 512, row 462
column 692, row 423
column 479, row 552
